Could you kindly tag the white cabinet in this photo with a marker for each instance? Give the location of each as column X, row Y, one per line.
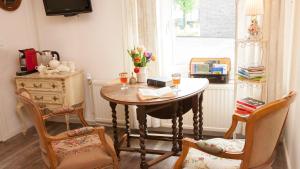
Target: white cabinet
column 54, row 91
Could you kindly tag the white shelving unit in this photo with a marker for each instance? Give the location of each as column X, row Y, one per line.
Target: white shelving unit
column 250, row 52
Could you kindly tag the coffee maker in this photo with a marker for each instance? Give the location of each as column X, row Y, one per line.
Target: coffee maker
column 28, row 61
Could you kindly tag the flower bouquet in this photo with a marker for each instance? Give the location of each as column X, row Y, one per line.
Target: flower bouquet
column 141, row 57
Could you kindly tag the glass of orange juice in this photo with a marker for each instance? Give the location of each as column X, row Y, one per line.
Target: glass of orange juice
column 123, row 79
column 176, row 79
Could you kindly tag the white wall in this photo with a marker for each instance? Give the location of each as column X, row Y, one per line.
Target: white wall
column 17, row 31
column 292, row 131
column 94, row 41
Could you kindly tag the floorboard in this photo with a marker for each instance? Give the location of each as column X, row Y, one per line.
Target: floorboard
column 22, row 152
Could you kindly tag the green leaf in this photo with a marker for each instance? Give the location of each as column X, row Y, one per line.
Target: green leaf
column 186, row 5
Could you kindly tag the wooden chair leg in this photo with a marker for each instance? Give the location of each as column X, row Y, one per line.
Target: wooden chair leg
column 109, row 149
column 184, row 153
column 81, row 118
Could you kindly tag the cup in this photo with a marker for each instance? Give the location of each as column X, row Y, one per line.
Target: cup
column 176, row 77
column 123, row 79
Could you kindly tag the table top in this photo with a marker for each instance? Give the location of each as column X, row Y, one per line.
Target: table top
column 187, row 88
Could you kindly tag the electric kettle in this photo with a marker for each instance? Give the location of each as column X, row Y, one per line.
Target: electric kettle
column 47, row 56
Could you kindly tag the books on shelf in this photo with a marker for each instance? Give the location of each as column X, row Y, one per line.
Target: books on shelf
column 148, row 94
column 254, row 73
column 199, row 68
column 208, row 68
column 159, row 81
column 248, row 105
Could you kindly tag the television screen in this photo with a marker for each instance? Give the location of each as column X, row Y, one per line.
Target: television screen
column 67, row 7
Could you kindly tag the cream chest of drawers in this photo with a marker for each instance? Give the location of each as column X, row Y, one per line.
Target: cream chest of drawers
column 54, row 91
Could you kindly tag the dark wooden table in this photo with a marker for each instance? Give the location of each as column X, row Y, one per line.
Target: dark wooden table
column 189, row 97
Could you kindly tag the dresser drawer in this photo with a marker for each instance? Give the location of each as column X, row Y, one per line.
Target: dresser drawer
column 47, row 98
column 40, row 84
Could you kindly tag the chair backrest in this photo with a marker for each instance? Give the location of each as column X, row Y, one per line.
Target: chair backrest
column 35, row 114
column 264, row 128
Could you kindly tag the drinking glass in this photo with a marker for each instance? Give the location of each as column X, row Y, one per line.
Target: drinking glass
column 176, row 79
column 123, row 79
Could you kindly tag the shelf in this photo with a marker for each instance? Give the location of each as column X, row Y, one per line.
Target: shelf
column 255, row 82
column 251, row 42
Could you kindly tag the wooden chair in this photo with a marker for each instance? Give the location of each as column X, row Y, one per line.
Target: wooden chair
column 263, row 130
column 83, row 148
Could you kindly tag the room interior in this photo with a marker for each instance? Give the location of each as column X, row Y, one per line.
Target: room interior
column 150, row 84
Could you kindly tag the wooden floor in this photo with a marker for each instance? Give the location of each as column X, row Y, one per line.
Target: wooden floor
column 22, row 152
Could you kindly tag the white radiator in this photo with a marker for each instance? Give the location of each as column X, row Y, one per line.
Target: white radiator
column 218, row 106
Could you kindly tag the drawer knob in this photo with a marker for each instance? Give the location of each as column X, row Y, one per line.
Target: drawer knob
column 38, row 98
column 37, row 86
column 55, row 98
column 53, row 86
column 22, row 84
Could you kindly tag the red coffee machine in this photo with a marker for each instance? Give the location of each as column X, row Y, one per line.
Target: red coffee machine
column 28, row 61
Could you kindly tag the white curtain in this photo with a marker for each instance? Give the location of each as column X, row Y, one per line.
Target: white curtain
column 140, row 28
column 279, row 31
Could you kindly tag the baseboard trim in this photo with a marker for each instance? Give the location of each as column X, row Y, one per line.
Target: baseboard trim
column 286, row 155
column 12, row 133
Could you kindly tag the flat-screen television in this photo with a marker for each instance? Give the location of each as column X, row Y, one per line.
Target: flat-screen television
column 67, row 7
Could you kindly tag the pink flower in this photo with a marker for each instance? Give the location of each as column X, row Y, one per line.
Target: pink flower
column 133, row 52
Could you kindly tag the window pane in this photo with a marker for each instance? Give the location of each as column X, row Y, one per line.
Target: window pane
column 205, row 18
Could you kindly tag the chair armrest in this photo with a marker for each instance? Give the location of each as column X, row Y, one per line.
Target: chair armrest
column 209, row 147
column 235, row 119
column 58, row 112
column 188, row 143
column 78, row 110
column 72, row 134
column 240, row 117
column 220, row 153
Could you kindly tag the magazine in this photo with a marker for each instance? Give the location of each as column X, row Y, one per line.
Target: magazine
column 148, row 94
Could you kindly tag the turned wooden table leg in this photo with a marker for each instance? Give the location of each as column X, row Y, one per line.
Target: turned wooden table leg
column 141, row 116
column 201, row 116
column 180, row 123
column 174, row 127
column 195, row 117
column 127, row 125
column 146, row 127
column 115, row 130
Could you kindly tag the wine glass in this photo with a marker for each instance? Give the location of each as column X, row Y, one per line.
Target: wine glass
column 123, row 79
column 176, row 80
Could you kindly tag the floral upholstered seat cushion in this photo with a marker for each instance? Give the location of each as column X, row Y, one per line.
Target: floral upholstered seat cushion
column 82, row 151
column 199, row 160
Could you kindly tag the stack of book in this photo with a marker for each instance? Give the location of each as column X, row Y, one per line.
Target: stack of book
column 254, row 73
column 159, row 81
column 248, row 105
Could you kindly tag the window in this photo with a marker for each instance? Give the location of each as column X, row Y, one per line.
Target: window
column 202, row 28
column 205, row 18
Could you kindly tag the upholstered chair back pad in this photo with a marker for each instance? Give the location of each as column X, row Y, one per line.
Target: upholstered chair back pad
column 265, row 129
